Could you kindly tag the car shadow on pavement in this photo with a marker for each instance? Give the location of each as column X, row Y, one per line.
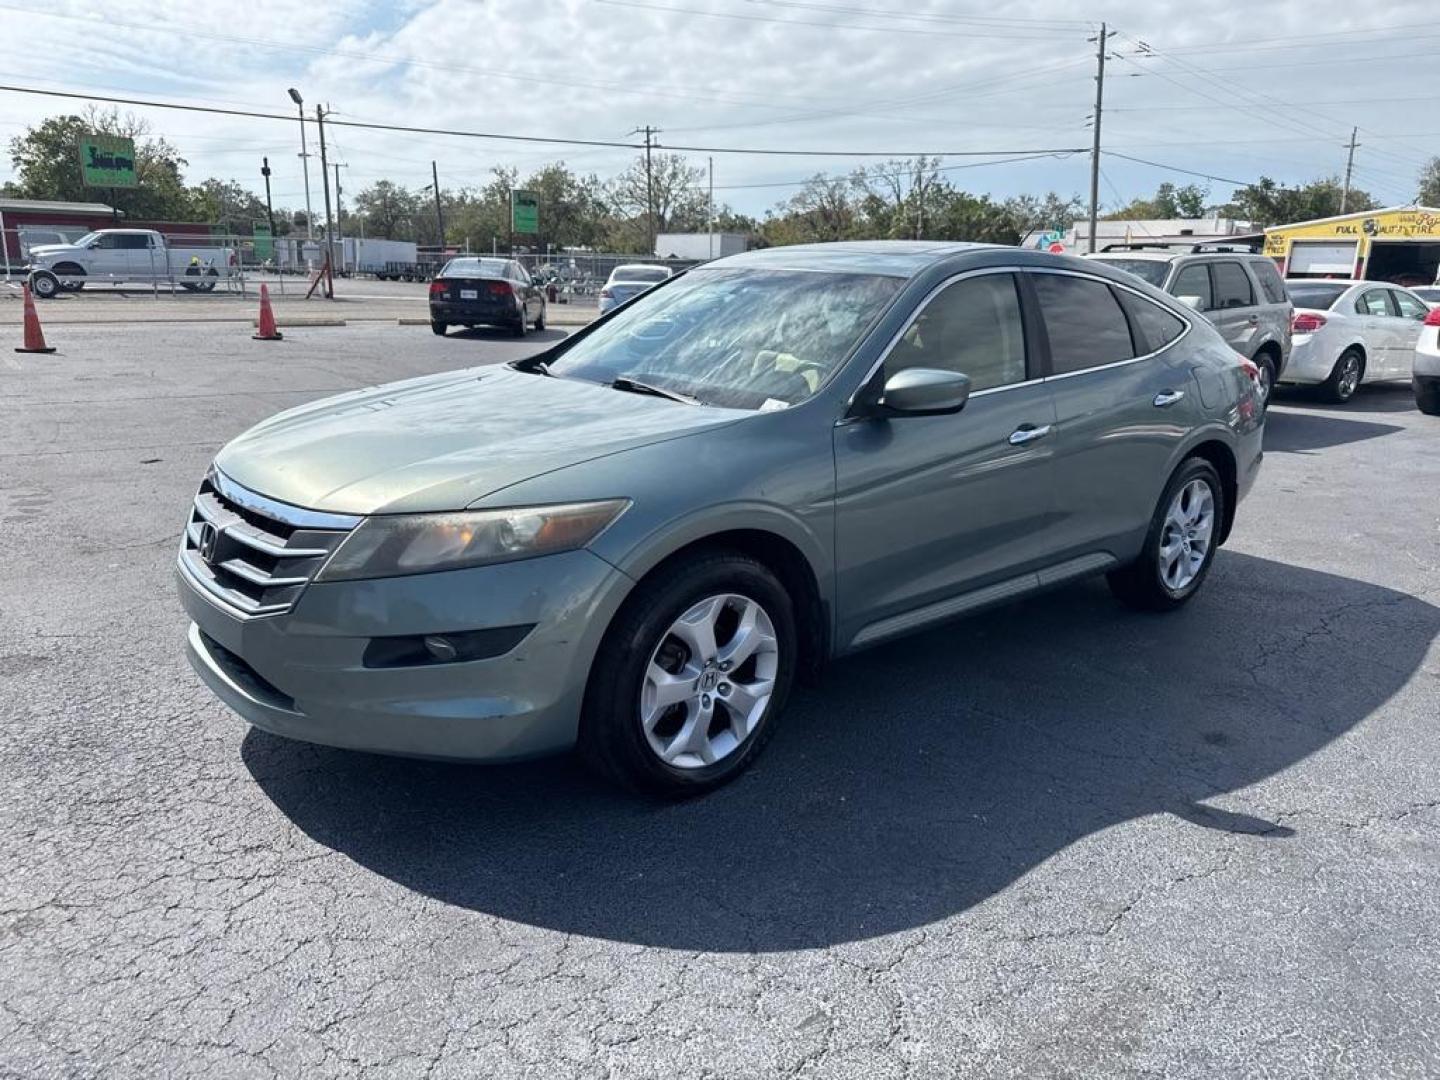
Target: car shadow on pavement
column 1289, row 432
column 1389, row 396
column 499, row 333
column 916, row 781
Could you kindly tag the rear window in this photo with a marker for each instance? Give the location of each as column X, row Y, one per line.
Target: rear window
column 1318, row 296
column 1084, row 322
column 1271, row 283
column 480, row 268
column 1158, row 326
column 1430, row 296
column 646, row 274
column 1151, row 271
column 1232, row 286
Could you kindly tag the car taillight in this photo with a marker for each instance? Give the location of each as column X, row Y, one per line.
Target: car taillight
column 1432, row 317
column 1306, row 322
column 1249, row 366
column 607, row 294
column 500, row 288
column 439, row 287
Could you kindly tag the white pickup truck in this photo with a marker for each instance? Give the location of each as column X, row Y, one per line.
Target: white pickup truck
column 126, row 255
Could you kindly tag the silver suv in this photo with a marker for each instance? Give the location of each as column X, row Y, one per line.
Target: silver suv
column 1240, row 292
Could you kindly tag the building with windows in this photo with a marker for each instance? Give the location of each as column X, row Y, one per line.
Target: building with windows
column 1400, row 244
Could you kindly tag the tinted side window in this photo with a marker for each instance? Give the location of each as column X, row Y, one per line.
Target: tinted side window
column 1410, row 308
column 1271, row 284
column 1232, row 286
column 107, row 243
column 973, row 327
column 1193, row 281
column 135, row 243
column 1084, row 322
column 1156, row 325
column 1374, row 302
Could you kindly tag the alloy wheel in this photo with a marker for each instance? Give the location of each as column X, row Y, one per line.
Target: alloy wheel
column 1349, row 375
column 1187, row 534
column 709, row 681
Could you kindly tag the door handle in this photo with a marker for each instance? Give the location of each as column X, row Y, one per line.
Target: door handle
column 1028, row 433
column 1166, row 398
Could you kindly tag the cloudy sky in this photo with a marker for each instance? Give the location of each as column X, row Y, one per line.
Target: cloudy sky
column 1232, row 89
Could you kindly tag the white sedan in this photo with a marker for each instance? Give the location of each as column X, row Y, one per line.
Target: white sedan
column 1348, row 331
column 1426, row 376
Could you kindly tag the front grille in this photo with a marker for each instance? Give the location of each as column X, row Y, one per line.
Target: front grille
column 252, row 553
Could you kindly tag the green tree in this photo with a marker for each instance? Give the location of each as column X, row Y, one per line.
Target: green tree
column 388, row 210
column 823, row 209
column 46, row 159
column 1267, row 203
column 1429, row 192
column 1030, row 213
column 680, row 201
column 1168, row 201
column 234, row 210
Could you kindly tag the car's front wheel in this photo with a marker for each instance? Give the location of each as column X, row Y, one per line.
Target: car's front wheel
column 689, row 682
column 44, row 284
column 1180, row 546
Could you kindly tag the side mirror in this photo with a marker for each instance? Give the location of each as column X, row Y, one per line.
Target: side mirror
column 924, row 392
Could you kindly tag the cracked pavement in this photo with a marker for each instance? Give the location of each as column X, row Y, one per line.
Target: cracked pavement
column 1055, row 840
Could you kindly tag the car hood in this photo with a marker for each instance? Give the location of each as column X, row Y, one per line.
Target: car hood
column 443, row 442
column 52, row 249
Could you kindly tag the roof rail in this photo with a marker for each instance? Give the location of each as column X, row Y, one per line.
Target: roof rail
column 1245, row 246
column 1153, row 245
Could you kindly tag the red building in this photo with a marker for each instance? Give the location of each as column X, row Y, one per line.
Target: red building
column 17, row 216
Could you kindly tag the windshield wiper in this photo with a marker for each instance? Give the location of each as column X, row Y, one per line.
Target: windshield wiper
column 635, row 386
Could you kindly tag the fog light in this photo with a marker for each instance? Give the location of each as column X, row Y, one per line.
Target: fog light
column 441, row 648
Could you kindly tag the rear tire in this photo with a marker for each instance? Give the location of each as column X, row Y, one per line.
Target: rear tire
column 615, row 738
column 1344, row 377
column 1266, row 363
column 520, row 328
column 540, row 320
column 439, row 328
column 1167, row 573
column 1427, row 395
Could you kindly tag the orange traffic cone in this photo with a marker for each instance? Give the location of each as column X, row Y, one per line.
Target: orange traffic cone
column 34, row 336
column 267, row 331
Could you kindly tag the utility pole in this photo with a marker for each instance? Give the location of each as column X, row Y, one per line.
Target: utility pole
column 1349, row 167
column 329, row 232
column 439, row 217
column 710, row 213
column 339, row 210
column 1095, row 147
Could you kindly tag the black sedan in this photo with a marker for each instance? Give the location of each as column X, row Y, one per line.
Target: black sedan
column 485, row 292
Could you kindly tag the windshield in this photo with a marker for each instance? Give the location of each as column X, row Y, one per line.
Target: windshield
column 745, row 339
column 86, row 239
column 1149, row 270
column 494, row 268
column 646, row 275
column 1318, row 294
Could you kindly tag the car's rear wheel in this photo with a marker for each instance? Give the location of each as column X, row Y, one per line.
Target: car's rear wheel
column 438, row 328
column 540, row 320
column 1427, row 395
column 1180, row 546
column 1344, row 377
column 690, row 680
column 519, row 328
column 1266, row 363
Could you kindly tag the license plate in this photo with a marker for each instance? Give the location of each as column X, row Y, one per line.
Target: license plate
column 469, row 294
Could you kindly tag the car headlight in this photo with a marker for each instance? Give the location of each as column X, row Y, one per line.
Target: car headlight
column 388, row 546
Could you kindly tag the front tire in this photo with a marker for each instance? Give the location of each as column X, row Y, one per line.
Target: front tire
column 692, row 676
column 1180, row 546
column 44, row 284
column 1427, row 394
column 1344, row 377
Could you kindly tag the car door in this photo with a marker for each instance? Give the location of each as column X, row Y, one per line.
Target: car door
column 1234, row 309
column 1124, row 401
column 107, row 258
column 929, row 508
column 1412, row 311
column 1375, row 313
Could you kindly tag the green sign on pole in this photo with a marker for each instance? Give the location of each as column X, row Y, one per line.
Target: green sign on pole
column 107, row 161
column 264, row 242
column 524, row 212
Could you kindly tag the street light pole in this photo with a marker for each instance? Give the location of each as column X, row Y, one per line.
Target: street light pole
column 304, row 164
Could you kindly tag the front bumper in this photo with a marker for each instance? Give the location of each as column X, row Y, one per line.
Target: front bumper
column 302, row 674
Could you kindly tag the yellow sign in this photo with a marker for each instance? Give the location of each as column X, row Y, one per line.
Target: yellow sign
column 1414, row 223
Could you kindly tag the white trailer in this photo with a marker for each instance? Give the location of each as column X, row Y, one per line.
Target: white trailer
column 366, row 256
column 700, row 246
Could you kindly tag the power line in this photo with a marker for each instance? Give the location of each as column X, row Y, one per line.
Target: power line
column 547, row 139
column 1178, row 169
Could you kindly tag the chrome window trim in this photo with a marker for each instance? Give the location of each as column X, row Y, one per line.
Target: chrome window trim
column 294, row 516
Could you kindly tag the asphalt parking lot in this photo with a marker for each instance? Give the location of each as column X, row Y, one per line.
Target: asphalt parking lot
column 1055, row 840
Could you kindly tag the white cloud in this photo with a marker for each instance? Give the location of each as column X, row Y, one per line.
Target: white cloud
column 750, row 74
